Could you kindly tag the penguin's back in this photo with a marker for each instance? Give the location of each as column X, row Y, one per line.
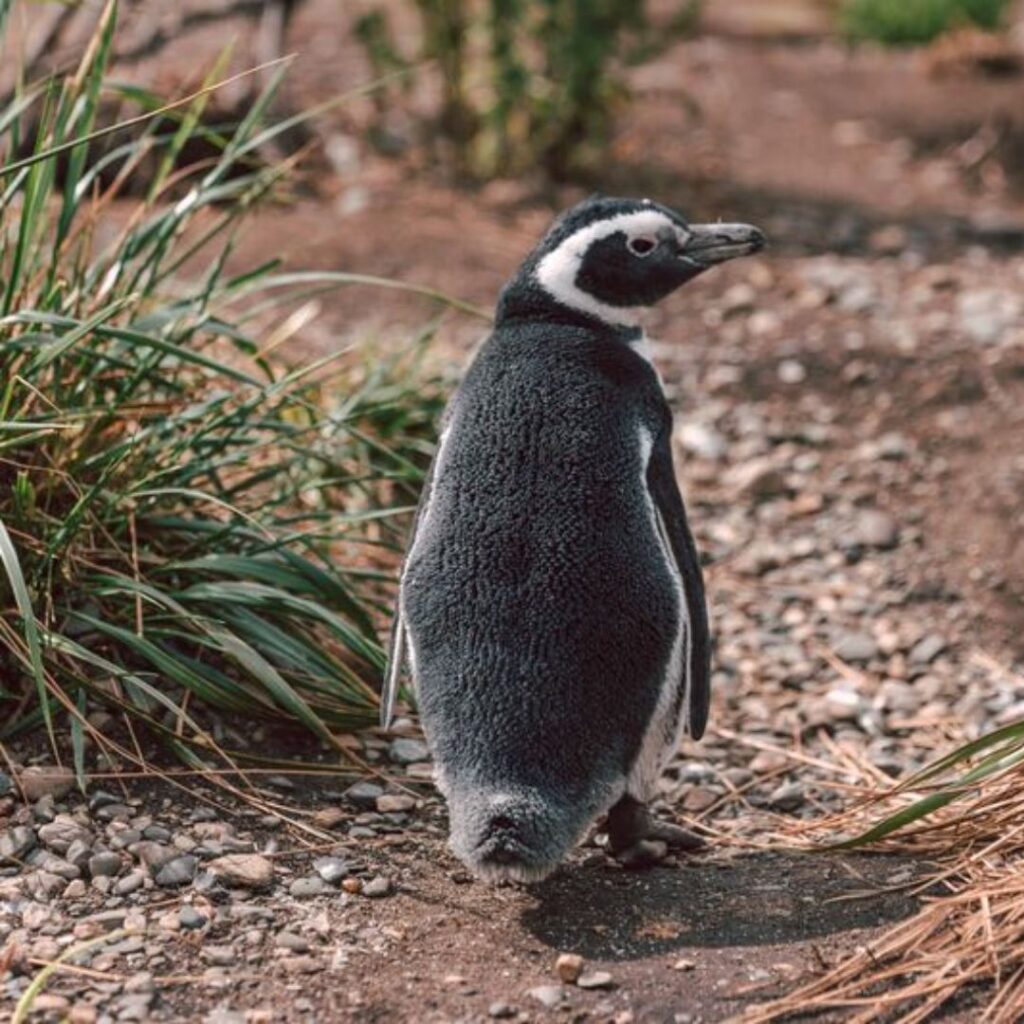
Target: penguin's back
column 541, row 611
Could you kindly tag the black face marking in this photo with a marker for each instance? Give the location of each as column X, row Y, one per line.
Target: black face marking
column 612, row 274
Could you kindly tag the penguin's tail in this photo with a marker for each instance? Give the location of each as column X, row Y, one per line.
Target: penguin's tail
column 516, row 835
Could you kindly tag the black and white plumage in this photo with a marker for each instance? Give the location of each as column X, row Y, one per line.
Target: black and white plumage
column 552, row 606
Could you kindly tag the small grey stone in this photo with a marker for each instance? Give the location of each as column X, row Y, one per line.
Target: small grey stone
column 78, row 853
column 44, row 810
column 855, row 647
column 787, row 797
column 134, row 1006
column 59, row 866
column 376, row 887
column 60, row 833
column 153, row 855
column 177, row 872
column 105, row 864
column 304, row 888
column 219, row 956
column 291, row 941
column 127, row 885
column 331, row 869
column 548, row 995
column 404, row 750
column 364, row 795
column 100, row 798
column 927, row 649
column 595, row 979
column 114, row 812
column 16, row 842
column 224, row 1015
column 190, row 918
column 500, row 1011
column 75, row 890
column 157, row 833
column 125, row 838
column 875, row 529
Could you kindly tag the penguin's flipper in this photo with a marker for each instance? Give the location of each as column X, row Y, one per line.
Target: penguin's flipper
column 397, row 645
column 661, row 482
column 393, row 668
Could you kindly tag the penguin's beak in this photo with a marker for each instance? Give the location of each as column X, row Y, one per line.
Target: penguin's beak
column 708, row 244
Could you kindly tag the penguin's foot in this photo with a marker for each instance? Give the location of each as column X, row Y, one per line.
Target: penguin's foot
column 637, row 840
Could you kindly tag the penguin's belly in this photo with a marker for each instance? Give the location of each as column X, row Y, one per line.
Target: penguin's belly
column 543, row 618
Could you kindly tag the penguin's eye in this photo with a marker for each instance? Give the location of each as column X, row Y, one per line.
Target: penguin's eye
column 641, row 246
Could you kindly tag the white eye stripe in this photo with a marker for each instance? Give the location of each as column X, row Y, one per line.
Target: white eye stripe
column 557, row 271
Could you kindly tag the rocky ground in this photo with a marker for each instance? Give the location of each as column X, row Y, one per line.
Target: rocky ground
column 849, row 431
column 848, row 437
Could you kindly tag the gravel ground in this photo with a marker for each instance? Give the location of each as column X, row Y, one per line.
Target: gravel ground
column 848, row 437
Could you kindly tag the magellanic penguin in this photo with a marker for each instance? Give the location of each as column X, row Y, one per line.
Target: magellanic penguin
column 551, row 607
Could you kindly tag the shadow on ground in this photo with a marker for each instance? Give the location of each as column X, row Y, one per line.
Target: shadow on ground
column 764, row 899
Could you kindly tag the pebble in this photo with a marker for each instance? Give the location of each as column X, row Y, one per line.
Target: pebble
column 376, row 887
column 127, row 885
column 304, row 888
column 60, row 833
column 500, row 1011
column 596, row 979
column 191, row 919
column 105, row 863
column 292, row 942
column 177, row 872
column 329, row 817
column 16, row 842
column 45, row 780
column 548, row 995
column 927, row 649
column 395, row 802
column 787, row 797
column 219, row 956
column 404, row 750
column 857, row 648
column 364, row 795
column 568, row 967
column 246, row 870
column 331, row 869
column 875, row 529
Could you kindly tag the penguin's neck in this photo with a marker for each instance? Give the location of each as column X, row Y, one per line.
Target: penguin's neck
column 524, row 300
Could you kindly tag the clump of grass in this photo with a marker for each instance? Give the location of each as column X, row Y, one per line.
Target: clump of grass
column 965, row 814
column 183, row 522
column 910, row 22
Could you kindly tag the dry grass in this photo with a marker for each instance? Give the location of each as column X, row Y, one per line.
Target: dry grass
column 965, row 813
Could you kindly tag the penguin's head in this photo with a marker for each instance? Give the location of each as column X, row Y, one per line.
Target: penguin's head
column 612, row 258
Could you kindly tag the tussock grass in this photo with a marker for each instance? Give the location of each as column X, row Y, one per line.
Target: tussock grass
column 965, row 814
column 184, row 523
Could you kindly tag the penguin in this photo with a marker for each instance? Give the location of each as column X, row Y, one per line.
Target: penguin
column 551, row 604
